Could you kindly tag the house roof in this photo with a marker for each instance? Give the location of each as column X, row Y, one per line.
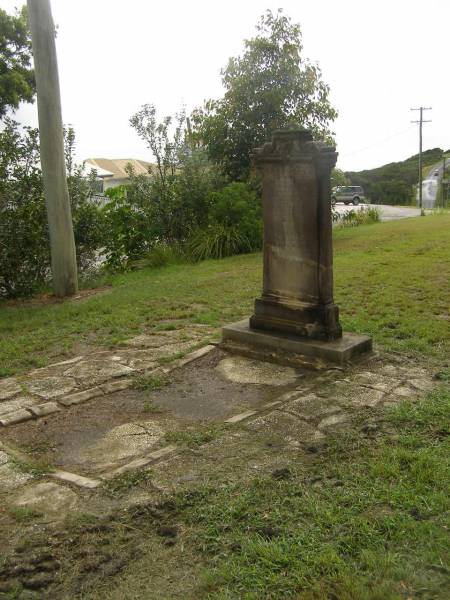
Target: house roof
column 117, row 166
column 101, row 173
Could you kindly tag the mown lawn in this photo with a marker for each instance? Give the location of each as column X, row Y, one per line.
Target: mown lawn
column 392, row 281
column 368, row 517
column 368, row 520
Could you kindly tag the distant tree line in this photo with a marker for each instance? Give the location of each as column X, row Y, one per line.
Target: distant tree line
column 394, row 183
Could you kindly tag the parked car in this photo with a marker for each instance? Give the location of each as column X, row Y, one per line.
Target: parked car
column 348, row 194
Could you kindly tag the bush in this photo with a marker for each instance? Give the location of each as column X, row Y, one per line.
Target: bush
column 24, row 238
column 235, row 224
column 217, row 241
column 152, row 212
column 363, row 216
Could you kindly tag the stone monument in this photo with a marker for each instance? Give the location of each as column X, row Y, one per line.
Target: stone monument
column 296, row 313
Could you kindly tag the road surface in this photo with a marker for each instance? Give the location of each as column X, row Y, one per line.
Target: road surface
column 387, row 212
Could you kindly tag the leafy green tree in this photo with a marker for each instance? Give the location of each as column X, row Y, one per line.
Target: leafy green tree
column 338, row 177
column 268, row 87
column 24, row 238
column 16, row 76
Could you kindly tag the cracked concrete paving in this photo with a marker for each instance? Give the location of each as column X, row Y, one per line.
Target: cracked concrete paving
column 268, row 411
column 66, row 379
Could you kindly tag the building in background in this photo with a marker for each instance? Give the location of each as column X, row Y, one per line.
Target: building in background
column 112, row 171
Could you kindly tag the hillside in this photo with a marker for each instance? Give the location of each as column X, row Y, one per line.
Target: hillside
column 394, row 183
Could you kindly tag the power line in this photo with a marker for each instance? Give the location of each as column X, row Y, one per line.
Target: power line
column 420, row 122
column 377, row 143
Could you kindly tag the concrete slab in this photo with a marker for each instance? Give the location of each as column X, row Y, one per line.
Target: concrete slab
column 339, row 351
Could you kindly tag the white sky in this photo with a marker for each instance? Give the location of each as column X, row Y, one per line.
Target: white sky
column 379, row 58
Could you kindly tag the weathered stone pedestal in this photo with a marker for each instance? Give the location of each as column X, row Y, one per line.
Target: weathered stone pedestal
column 296, row 312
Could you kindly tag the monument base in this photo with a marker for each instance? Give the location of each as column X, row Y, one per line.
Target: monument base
column 285, row 347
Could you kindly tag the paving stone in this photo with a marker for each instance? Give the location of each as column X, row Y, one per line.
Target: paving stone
column 423, row 385
column 241, row 416
column 311, row 407
column 391, row 371
column 172, row 349
column 10, row 477
column 414, row 373
column 49, row 498
column 404, row 391
column 96, row 371
column 139, row 463
column 194, row 355
column 356, row 395
column 9, row 388
column 123, row 442
column 289, row 395
column 150, row 340
column 116, row 386
column 51, row 387
column 141, row 360
column 285, row 425
column 42, row 410
column 10, row 406
column 79, row 480
column 17, row 416
column 245, row 370
column 332, row 420
column 376, row 381
column 80, row 397
column 70, row 361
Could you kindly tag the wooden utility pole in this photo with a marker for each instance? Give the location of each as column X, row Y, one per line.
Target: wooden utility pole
column 62, row 243
column 421, row 121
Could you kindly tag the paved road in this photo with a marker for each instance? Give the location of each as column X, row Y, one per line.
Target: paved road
column 388, row 213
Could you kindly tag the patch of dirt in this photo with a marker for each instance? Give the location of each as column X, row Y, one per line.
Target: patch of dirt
column 43, row 299
column 196, row 394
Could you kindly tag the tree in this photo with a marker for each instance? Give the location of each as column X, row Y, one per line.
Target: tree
column 16, row 77
column 268, row 87
column 338, row 177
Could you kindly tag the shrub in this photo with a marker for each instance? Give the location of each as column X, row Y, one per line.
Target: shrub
column 234, row 227
column 363, row 216
column 24, row 238
column 217, row 241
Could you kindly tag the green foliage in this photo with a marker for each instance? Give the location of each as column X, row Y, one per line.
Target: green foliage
column 235, row 224
column 365, row 520
column 386, row 279
column 394, row 183
column 23, row 514
column 122, row 484
column 363, row 216
column 268, row 87
column 150, row 383
column 25, row 252
column 16, row 76
column 339, row 178
column 24, row 242
column 193, row 438
column 217, row 241
column 158, row 212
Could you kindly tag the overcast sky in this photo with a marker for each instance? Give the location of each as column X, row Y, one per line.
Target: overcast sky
column 379, row 59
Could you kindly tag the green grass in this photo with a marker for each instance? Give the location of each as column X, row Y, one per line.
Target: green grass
column 124, row 483
column 23, row 514
column 368, row 520
column 193, row 438
column 367, row 517
column 150, row 383
column 391, row 281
